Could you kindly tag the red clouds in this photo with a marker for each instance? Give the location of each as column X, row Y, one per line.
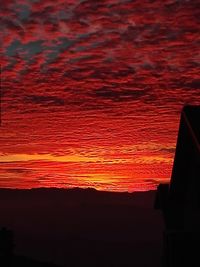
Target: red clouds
column 95, row 89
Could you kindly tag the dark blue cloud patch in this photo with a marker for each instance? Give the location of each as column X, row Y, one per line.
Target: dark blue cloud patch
column 23, row 12
column 58, row 46
column 25, row 50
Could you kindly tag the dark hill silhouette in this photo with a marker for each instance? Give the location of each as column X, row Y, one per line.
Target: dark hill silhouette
column 83, row 227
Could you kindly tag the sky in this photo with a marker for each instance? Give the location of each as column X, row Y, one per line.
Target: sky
column 91, row 91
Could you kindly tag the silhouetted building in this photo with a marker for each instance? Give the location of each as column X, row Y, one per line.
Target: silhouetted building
column 6, row 242
column 6, row 247
column 180, row 200
column 9, row 259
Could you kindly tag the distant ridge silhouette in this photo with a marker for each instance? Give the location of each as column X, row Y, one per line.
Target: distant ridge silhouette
column 83, row 227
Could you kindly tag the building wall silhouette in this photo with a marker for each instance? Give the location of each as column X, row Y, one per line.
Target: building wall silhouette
column 180, row 199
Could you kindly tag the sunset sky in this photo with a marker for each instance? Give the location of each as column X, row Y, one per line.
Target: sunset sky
column 92, row 91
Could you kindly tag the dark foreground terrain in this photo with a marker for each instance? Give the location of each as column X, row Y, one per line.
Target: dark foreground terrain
column 82, row 227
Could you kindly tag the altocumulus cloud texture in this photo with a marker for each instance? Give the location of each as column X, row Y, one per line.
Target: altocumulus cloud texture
column 92, row 90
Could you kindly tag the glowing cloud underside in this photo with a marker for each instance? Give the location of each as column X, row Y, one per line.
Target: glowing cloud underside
column 92, row 91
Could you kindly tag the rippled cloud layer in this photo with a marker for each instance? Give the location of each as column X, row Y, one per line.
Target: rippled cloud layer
column 92, row 91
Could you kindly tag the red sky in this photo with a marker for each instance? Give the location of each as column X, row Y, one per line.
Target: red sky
column 92, row 91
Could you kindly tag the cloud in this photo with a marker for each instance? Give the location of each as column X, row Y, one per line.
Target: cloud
column 90, row 76
column 169, row 150
column 18, row 170
column 44, row 100
column 119, row 95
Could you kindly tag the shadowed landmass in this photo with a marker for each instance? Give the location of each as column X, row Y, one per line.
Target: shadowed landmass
column 83, row 227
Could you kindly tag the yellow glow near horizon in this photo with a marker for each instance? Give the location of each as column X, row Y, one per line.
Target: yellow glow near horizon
column 47, row 157
column 80, row 159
